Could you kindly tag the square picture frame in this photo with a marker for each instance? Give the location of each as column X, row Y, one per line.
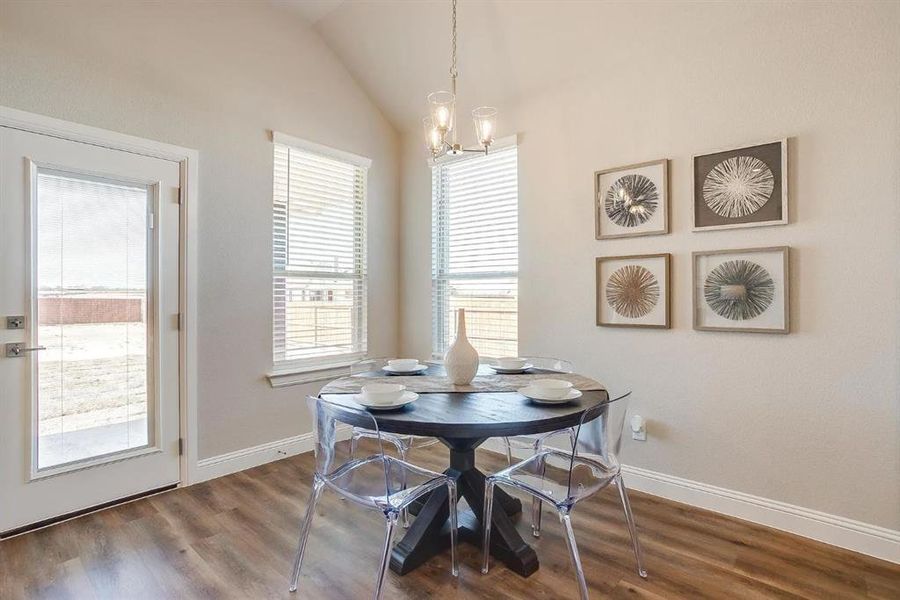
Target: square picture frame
column 617, row 215
column 634, row 291
column 742, row 290
column 741, row 187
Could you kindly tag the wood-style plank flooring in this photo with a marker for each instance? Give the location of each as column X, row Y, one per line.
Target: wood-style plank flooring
column 235, row 537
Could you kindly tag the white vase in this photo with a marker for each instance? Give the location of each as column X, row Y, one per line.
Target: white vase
column 461, row 359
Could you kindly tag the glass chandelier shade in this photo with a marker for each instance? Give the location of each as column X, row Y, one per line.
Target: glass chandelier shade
column 485, row 118
column 441, row 106
column 434, row 141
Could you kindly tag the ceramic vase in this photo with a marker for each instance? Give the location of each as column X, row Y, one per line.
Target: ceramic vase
column 461, row 359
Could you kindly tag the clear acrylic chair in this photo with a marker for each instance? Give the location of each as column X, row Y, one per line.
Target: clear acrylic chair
column 403, row 443
column 378, row 482
column 535, row 443
column 562, row 479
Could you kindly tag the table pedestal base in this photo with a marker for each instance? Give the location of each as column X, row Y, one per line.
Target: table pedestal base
column 430, row 532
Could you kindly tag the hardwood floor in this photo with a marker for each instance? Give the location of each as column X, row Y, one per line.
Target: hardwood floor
column 235, row 537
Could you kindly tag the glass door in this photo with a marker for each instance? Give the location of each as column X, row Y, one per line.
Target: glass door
column 93, row 269
column 90, row 379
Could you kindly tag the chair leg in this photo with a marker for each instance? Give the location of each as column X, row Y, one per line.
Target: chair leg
column 573, row 553
column 304, row 532
column 451, row 498
column 536, row 515
column 632, row 529
column 386, row 554
column 536, row 504
column 354, row 444
column 508, row 445
column 404, row 513
column 486, row 541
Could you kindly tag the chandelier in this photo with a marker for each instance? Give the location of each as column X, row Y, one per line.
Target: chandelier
column 440, row 125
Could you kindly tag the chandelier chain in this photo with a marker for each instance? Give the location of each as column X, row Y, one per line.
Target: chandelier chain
column 440, row 125
column 453, row 72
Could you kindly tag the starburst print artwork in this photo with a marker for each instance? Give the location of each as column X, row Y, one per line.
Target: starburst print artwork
column 738, row 186
column 631, row 200
column 739, row 290
column 632, row 291
column 742, row 290
column 741, row 187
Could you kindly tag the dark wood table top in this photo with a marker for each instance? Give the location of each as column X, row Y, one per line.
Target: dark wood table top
column 471, row 414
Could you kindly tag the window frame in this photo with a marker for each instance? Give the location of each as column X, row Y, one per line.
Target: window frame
column 441, row 336
column 283, row 369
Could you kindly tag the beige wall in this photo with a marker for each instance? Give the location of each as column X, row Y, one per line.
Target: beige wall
column 812, row 418
column 216, row 77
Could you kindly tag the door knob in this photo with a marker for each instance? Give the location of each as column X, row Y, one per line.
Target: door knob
column 16, row 350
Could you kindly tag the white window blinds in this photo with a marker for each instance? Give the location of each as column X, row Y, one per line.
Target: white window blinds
column 475, row 252
column 319, row 252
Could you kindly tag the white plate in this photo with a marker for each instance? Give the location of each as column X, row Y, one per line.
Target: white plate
column 533, row 394
column 419, row 368
column 404, row 399
column 502, row 371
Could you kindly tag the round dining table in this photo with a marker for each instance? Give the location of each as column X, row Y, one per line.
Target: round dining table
column 462, row 421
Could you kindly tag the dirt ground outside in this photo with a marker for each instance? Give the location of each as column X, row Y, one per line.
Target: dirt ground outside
column 91, row 375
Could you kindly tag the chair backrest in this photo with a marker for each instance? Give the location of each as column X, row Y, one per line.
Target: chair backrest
column 557, row 365
column 325, row 415
column 599, row 431
column 369, row 365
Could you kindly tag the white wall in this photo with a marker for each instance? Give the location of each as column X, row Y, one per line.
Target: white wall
column 812, row 418
column 216, row 77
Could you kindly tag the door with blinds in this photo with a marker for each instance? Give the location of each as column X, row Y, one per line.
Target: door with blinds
column 475, row 251
column 90, row 365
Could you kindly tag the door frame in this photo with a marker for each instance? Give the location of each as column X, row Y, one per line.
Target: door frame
column 187, row 253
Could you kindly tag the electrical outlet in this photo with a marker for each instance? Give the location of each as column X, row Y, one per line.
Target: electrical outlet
column 638, row 428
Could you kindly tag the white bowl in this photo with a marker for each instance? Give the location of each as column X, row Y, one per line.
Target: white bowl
column 510, row 364
column 403, row 364
column 555, row 389
column 382, row 393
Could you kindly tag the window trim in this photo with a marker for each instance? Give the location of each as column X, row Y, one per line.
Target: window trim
column 295, row 376
column 306, row 370
column 498, row 145
column 301, row 144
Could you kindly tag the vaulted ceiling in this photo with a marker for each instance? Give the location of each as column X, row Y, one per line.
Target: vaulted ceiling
column 311, row 11
column 399, row 50
column 510, row 50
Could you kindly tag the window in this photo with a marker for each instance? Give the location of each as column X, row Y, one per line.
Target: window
column 319, row 255
column 475, row 252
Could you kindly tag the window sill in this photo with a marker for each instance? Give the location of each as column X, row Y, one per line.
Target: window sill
column 312, row 374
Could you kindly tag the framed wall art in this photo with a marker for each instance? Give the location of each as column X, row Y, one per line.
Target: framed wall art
column 631, row 201
column 743, row 187
column 633, row 291
column 742, row 290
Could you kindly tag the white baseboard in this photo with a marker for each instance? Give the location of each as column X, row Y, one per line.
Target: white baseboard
column 857, row 536
column 247, row 458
